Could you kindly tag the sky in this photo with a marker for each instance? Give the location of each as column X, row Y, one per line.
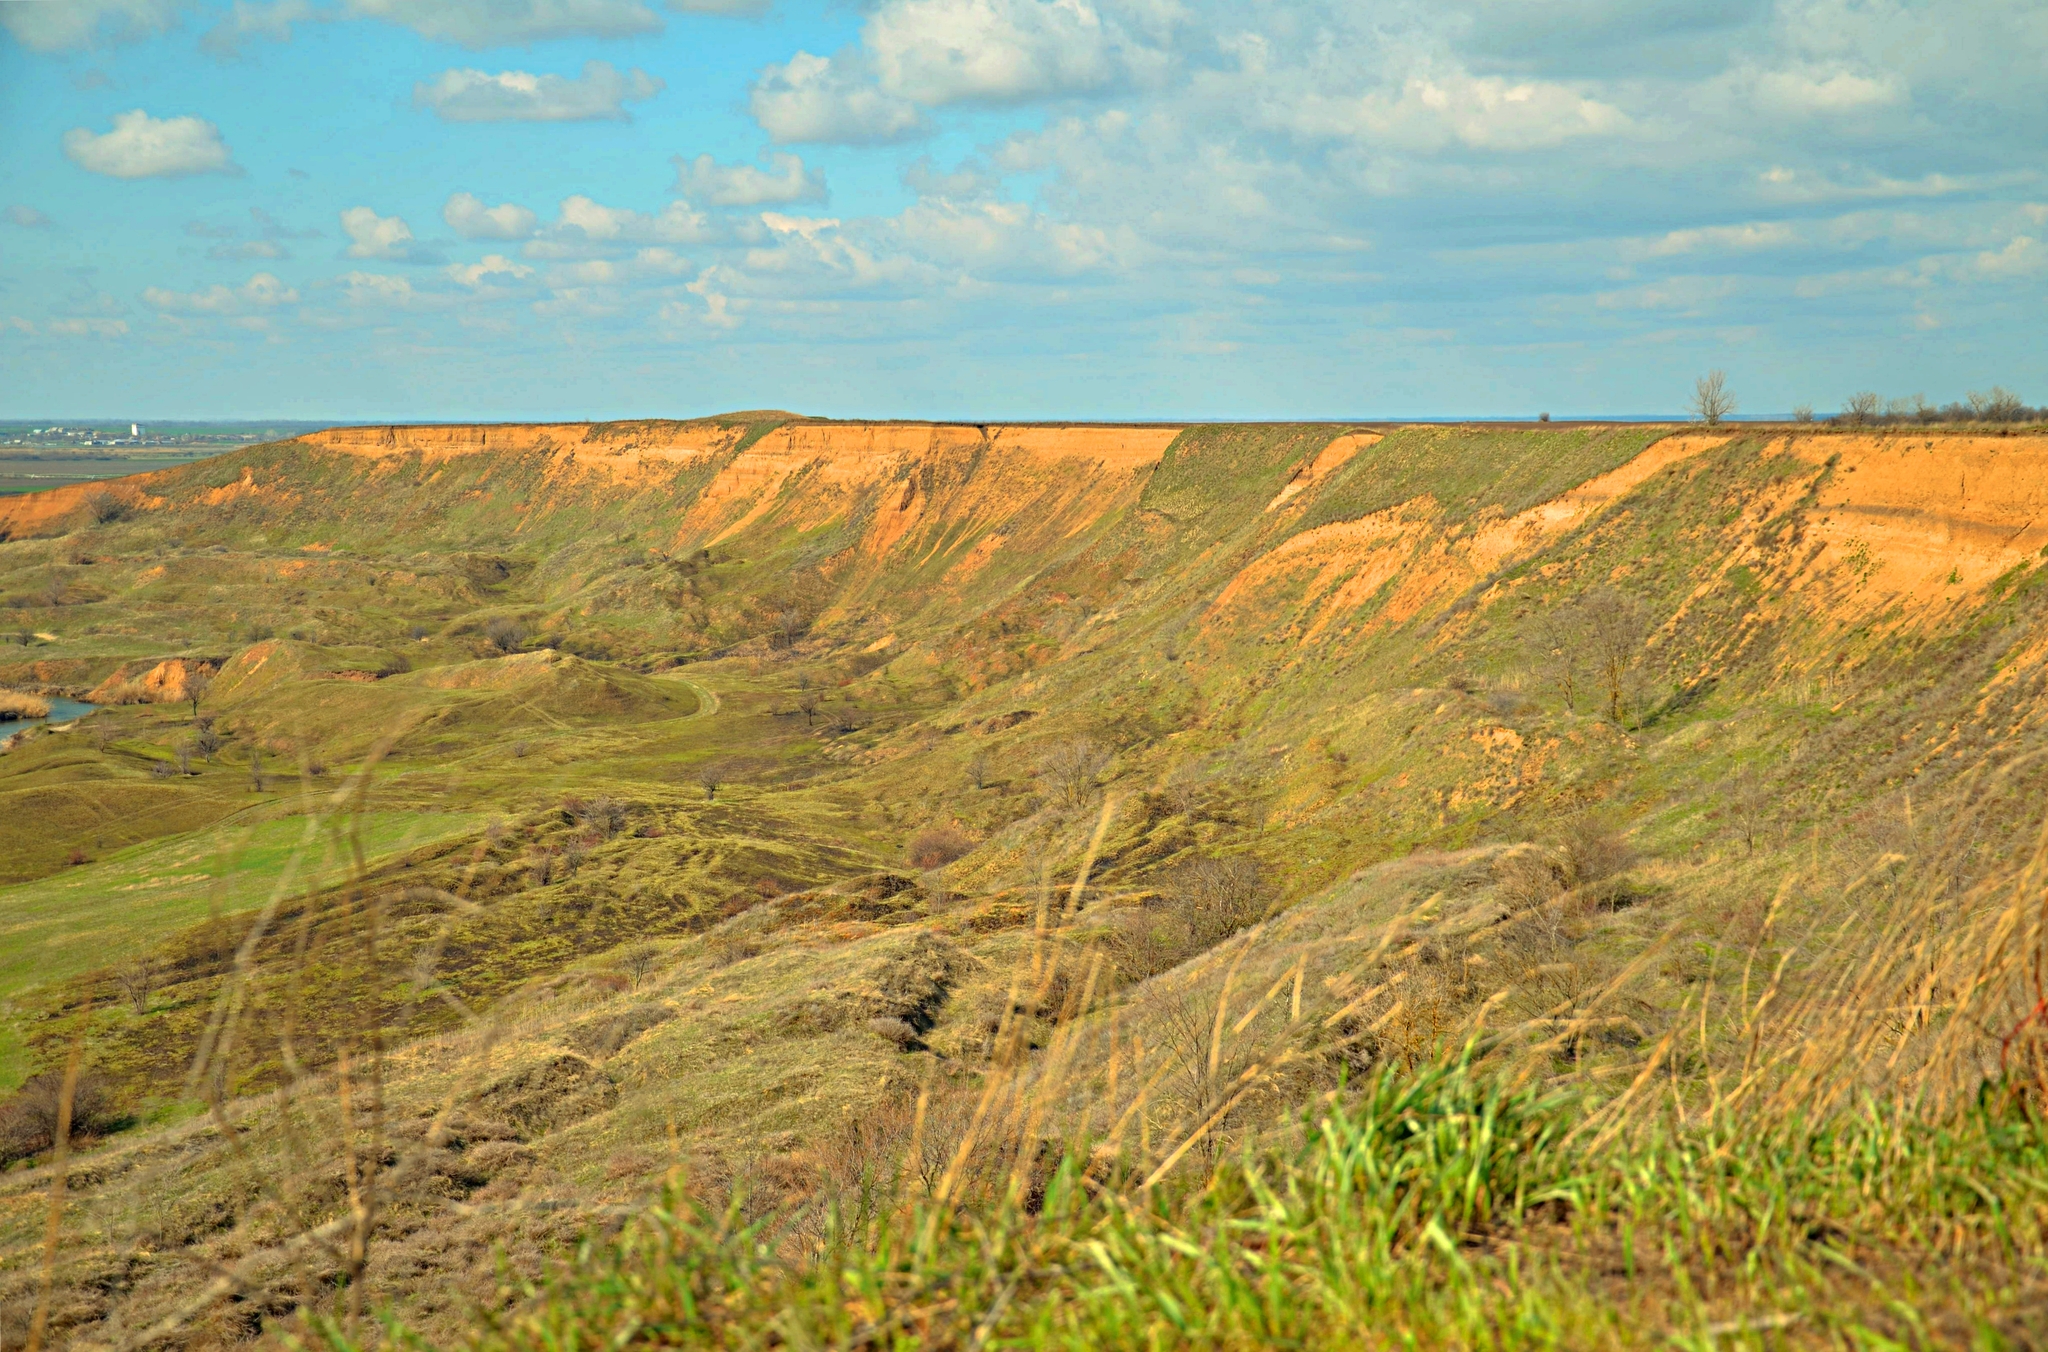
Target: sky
column 1122, row 209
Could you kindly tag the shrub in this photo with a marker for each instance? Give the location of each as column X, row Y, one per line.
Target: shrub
column 602, row 813
column 1071, row 768
column 894, row 1031
column 505, row 634
column 1219, row 897
column 105, row 506
column 28, row 1122
column 938, row 846
column 14, row 704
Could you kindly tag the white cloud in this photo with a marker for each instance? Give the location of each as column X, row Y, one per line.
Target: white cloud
column 743, row 185
column 1011, row 238
column 273, row 21
column 261, row 291
column 72, row 25
column 936, row 52
column 376, row 289
column 247, row 249
column 384, row 237
column 584, row 227
column 515, row 96
column 813, row 98
column 642, row 265
column 2023, row 256
column 492, row 23
column 28, row 218
column 492, row 265
column 1724, row 238
column 1430, row 112
column 141, row 146
column 1810, row 92
column 88, row 328
column 1687, row 295
column 916, row 54
column 471, row 219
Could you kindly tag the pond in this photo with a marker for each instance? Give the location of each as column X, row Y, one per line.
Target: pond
column 61, row 711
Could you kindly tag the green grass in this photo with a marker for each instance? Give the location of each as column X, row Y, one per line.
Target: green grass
column 1435, row 1208
column 100, row 914
column 1382, row 768
column 1469, row 469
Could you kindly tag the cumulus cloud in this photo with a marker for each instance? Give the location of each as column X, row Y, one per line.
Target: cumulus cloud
column 936, row 52
column 641, row 265
column 815, row 98
column 28, row 218
column 1429, row 112
column 515, row 96
column 2022, row 256
column 244, row 250
column 72, row 25
column 1806, row 91
column 1725, row 238
column 920, row 54
column 77, row 327
column 493, row 23
column 383, row 237
column 585, row 228
column 376, row 289
column 490, row 266
column 744, row 185
column 470, row 218
column 273, row 21
column 141, row 146
column 262, row 291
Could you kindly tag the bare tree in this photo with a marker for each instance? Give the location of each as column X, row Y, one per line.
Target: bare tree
column 637, row 961
column 198, row 682
column 1711, row 400
column 207, row 742
column 977, row 770
column 137, row 980
column 1558, row 637
column 184, row 755
column 256, row 769
column 807, row 705
column 1749, row 807
column 711, row 774
column 2000, row 405
column 1802, row 413
column 1861, row 408
column 1614, row 627
column 1070, row 769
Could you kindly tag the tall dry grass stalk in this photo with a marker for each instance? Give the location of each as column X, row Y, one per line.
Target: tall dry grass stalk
column 1894, row 984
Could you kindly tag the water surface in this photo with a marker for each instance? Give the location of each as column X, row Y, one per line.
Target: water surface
column 61, row 711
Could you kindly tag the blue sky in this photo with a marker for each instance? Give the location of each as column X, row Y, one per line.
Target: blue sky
column 505, row 209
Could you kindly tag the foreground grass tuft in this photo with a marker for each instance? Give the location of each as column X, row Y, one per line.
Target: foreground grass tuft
column 1440, row 1207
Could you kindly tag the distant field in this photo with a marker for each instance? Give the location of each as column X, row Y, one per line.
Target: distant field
column 32, row 473
column 102, row 913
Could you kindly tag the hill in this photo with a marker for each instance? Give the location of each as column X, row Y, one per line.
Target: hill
column 1305, row 884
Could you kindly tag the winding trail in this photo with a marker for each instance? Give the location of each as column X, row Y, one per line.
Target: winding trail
column 707, row 698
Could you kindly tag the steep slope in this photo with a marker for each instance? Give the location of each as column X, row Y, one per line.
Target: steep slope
column 739, row 759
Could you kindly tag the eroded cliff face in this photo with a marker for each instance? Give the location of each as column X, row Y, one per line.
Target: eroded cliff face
column 1902, row 526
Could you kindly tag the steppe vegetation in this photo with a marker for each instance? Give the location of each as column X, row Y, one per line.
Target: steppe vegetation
column 772, row 883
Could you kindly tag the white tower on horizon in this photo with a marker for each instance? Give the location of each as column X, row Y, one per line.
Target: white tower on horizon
column 134, row 429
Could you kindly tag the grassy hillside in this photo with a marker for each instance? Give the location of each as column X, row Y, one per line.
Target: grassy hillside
column 1244, row 885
